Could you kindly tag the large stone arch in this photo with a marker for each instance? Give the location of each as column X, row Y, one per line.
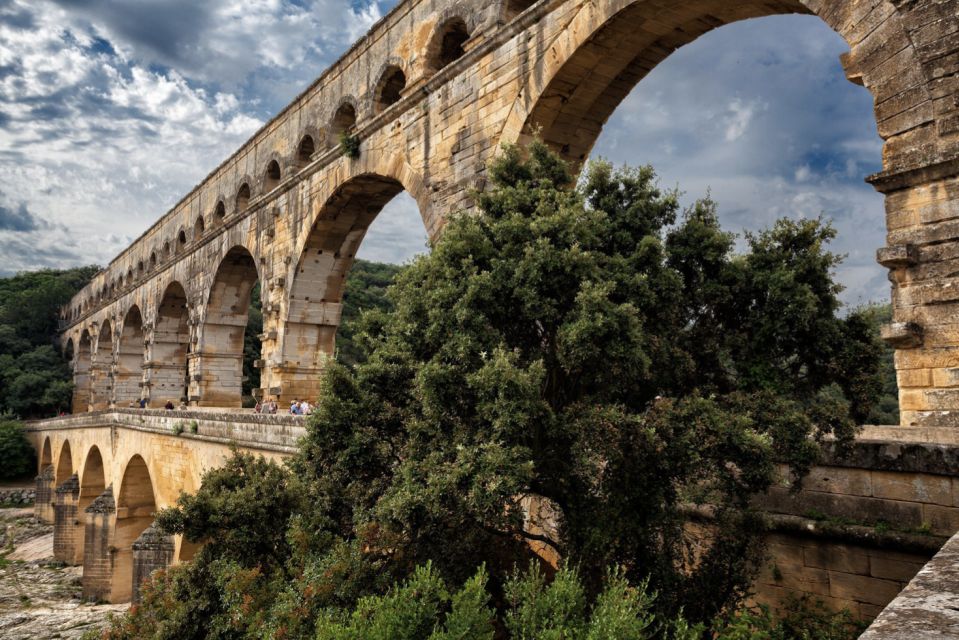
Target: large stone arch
column 135, row 505
column 83, row 359
column 611, row 45
column 46, row 454
column 101, row 372
column 167, row 372
column 219, row 358
column 129, row 360
column 323, row 260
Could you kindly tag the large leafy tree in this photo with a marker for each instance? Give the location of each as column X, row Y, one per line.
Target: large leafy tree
column 587, row 371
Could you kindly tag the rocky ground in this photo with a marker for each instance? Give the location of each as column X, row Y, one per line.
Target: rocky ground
column 40, row 598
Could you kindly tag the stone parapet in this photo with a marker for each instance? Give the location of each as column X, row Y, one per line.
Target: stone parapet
column 928, row 607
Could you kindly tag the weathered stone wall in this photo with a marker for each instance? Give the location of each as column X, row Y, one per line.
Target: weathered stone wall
column 66, row 521
column 18, row 497
column 152, row 551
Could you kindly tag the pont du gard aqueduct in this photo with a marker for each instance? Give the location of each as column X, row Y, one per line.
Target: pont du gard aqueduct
column 429, row 95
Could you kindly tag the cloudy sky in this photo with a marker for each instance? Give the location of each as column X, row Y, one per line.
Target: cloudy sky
column 111, row 110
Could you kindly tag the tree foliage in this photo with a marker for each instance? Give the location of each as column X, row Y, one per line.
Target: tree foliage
column 35, row 379
column 591, row 353
column 17, row 457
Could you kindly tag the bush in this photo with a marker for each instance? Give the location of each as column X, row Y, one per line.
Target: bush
column 17, row 456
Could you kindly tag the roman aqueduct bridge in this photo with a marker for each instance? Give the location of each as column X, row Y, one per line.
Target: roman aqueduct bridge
column 426, row 98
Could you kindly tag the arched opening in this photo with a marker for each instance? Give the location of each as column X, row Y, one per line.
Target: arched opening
column 305, row 151
column 101, row 375
column 64, row 464
column 92, row 484
column 344, row 121
column 46, row 454
column 243, row 197
column 273, row 176
column 129, row 369
column 136, row 505
column 516, row 7
column 153, row 260
column 447, row 45
column 198, row 228
column 390, row 88
column 167, row 249
column 140, row 267
column 171, row 343
column 316, row 292
column 81, row 373
column 224, row 332
column 219, row 213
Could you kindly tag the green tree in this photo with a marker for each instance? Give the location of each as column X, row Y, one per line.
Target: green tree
column 593, row 352
column 17, row 457
column 886, row 409
column 365, row 290
column 35, row 379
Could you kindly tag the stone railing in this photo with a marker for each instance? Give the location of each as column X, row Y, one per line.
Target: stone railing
column 929, row 605
column 276, row 432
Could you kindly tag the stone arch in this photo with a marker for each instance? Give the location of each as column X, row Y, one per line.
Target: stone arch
column 343, row 120
column 221, row 347
column 92, row 479
column 153, row 259
column 181, row 240
column 81, row 373
column 219, row 212
column 512, row 8
column 272, row 175
column 315, row 294
column 243, row 195
column 389, row 86
column 101, row 371
column 198, row 228
column 446, row 43
column 129, row 361
column 167, row 368
column 305, row 150
column 135, row 506
column 611, row 45
column 64, row 466
column 46, row 454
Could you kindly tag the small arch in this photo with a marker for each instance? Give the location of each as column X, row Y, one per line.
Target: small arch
column 139, row 267
column 516, row 7
column 153, row 260
column 136, row 506
column 166, row 248
column 219, row 212
column 181, row 240
column 198, row 228
column 389, row 89
column 305, row 151
column 344, row 121
column 447, row 43
column 129, row 360
column 243, row 197
column 273, row 176
column 46, row 454
column 64, row 464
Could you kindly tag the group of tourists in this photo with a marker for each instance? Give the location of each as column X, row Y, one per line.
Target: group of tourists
column 269, row 406
column 297, row 407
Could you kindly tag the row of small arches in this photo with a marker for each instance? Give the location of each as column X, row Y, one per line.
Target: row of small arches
column 446, row 47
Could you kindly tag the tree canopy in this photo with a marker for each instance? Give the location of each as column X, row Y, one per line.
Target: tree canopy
column 35, row 379
column 570, row 372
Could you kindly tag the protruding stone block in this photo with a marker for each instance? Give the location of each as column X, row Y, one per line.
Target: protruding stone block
column 902, row 335
column 152, row 550
column 898, row 256
column 65, row 522
column 43, row 504
column 98, row 549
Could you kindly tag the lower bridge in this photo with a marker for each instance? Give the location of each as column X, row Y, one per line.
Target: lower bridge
column 103, row 475
column 861, row 528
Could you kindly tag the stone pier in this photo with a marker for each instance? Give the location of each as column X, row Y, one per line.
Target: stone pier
column 152, row 551
column 43, row 505
column 98, row 547
column 65, row 521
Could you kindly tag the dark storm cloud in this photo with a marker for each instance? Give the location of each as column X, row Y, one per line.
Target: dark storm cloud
column 166, row 28
column 19, row 219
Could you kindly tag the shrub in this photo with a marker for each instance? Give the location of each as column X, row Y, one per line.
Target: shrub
column 17, row 456
column 350, row 145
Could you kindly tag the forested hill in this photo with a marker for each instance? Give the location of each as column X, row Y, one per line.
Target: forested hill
column 34, row 378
